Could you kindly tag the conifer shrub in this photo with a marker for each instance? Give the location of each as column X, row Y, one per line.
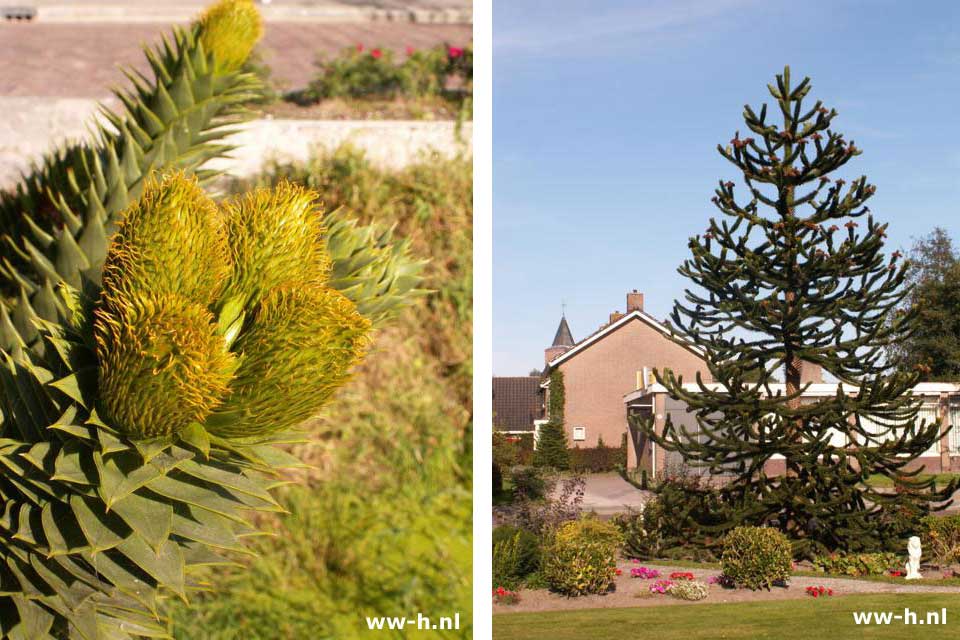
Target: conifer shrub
column 528, row 482
column 580, row 557
column 552, row 449
column 756, row 557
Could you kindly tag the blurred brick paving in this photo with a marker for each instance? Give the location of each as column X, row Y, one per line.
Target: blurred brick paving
column 82, row 60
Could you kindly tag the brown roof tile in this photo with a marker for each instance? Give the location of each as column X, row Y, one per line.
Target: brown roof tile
column 516, row 403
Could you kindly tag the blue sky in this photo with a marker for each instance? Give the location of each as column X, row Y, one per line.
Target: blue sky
column 607, row 116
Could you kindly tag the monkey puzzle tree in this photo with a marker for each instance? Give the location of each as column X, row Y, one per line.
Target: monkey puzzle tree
column 156, row 346
column 793, row 276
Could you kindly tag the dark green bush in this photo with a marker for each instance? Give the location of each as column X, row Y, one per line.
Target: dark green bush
column 528, row 482
column 497, row 480
column 941, row 538
column 599, row 459
column 581, row 557
column 856, row 564
column 552, row 447
column 516, row 555
column 356, row 73
column 755, row 557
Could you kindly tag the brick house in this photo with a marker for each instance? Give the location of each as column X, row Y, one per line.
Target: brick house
column 601, row 369
column 607, row 377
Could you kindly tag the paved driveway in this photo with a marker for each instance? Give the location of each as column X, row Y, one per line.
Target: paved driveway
column 608, row 493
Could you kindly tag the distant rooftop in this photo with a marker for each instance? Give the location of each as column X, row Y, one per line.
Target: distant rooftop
column 516, row 403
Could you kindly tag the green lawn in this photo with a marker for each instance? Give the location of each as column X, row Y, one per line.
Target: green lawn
column 782, row 620
column 880, row 480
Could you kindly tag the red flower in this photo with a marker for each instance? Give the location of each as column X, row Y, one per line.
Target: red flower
column 454, row 52
column 619, row 572
column 359, row 48
column 410, row 50
column 376, row 53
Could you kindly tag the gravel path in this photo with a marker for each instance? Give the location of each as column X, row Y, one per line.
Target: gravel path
column 633, row 592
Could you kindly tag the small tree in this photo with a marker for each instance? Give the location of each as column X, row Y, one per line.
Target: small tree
column 787, row 281
column 933, row 348
column 552, row 448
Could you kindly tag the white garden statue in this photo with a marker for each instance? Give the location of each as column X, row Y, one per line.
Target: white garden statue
column 913, row 562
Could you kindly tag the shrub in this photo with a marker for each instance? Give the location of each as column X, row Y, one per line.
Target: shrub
column 669, row 524
column 552, row 447
column 599, row 459
column 856, row 564
column 755, row 557
column 374, row 73
column 941, row 538
column 516, row 554
column 581, row 557
column 561, row 506
column 528, row 482
column 689, row 590
column 506, row 451
column 497, row 479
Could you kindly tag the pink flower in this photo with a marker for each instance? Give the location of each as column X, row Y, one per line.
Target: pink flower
column 455, row 52
column 410, row 50
column 359, row 48
column 376, row 53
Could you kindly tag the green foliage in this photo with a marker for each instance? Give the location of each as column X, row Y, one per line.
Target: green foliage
column 941, row 538
column 933, row 349
column 556, row 397
column 375, row 73
column 552, row 449
column 581, row 557
column 856, row 564
column 599, row 459
column 385, row 525
column 671, row 523
column 756, row 557
column 528, row 482
column 786, row 269
column 506, row 452
column 338, row 557
column 516, row 555
column 102, row 527
column 689, row 590
column 370, row 265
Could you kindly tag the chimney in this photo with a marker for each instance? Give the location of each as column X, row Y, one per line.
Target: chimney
column 616, row 315
column 634, row 301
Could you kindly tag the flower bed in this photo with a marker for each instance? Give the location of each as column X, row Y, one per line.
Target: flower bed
column 505, row 596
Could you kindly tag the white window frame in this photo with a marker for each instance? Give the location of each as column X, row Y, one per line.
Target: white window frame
column 582, row 432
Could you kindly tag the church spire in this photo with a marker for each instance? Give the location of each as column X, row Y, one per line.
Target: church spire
column 563, row 338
